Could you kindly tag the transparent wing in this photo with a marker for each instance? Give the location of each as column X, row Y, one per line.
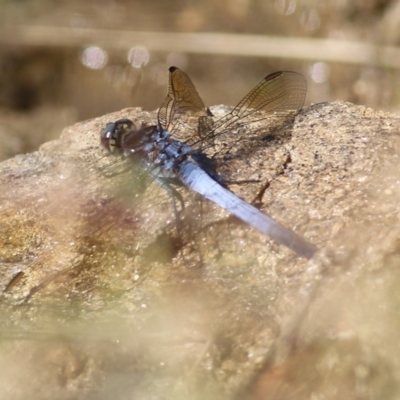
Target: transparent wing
column 182, row 99
column 280, row 91
column 278, row 97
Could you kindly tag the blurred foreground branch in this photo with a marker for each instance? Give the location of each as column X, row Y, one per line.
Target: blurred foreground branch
column 207, row 43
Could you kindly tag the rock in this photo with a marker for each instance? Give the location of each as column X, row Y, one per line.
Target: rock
column 103, row 299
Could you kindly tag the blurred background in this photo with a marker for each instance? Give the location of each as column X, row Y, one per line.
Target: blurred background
column 67, row 61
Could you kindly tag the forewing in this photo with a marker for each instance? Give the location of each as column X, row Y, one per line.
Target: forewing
column 280, row 91
column 182, row 109
column 277, row 97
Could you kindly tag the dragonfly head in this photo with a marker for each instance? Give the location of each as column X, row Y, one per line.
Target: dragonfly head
column 113, row 135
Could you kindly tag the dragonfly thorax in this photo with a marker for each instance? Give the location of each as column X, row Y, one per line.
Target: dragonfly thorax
column 165, row 152
column 151, row 145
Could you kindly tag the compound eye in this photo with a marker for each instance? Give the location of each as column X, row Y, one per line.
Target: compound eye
column 112, row 136
column 106, row 137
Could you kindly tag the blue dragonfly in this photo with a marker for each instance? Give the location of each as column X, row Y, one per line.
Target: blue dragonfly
column 172, row 154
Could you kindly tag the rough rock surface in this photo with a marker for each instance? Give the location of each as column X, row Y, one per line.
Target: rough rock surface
column 102, row 300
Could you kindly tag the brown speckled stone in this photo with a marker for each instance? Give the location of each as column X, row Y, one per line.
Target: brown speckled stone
column 102, row 299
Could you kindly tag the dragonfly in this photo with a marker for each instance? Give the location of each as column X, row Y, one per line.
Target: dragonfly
column 172, row 155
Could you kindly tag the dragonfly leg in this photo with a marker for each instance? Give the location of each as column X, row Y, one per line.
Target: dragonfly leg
column 112, row 174
column 257, row 201
column 166, row 184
